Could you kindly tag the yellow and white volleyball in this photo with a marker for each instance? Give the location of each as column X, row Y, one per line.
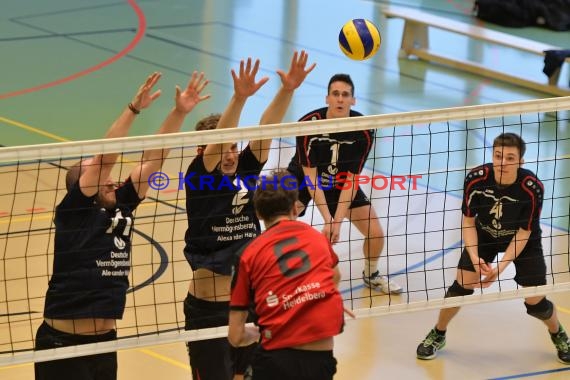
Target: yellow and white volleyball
column 359, row 39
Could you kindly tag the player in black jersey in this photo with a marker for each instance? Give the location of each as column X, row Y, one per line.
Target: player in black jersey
column 221, row 218
column 501, row 213
column 331, row 161
column 93, row 229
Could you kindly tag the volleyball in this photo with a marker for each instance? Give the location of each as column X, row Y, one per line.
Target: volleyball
column 359, row 39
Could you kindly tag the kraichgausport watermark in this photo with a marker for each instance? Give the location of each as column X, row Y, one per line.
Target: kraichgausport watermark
column 341, row 181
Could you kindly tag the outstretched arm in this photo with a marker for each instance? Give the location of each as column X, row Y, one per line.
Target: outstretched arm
column 185, row 101
column 244, row 86
column 96, row 171
column 278, row 107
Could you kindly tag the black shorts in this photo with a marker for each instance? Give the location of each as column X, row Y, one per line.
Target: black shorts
column 91, row 367
column 288, row 363
column 529, row 265
column 213, row 359
column 360, row 199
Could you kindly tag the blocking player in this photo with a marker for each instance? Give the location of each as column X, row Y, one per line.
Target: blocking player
column 221, row 217
column 93, row 225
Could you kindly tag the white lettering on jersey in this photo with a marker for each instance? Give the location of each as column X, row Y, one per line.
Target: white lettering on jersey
column 335, row 147
column 497, row 209
column 116, row 225
column 241, row 198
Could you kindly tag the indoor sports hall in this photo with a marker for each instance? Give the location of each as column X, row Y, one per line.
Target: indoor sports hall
column 69, row 67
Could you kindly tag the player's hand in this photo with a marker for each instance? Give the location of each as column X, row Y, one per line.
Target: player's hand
column 484, row 267
column 251, row 335
column 490, row 277
column 327, row 230
column 331, row 231
column 335, row 232
column 186, row 100
column 143, row 97
column 297, row 72
column 244, row 82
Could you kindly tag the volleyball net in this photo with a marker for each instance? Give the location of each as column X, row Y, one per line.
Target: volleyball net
column 413, row 177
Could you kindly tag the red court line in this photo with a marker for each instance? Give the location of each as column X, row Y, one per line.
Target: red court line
column 37, row 209
column 140, row 33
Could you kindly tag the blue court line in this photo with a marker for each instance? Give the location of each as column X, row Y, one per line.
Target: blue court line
column 531, row 374
column 436, row 256
column 161, row 268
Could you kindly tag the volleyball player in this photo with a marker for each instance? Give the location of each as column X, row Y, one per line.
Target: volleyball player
column 290, row 274
column 501, row 213
column 221, row 217
column 333, row 160
column 93, row 229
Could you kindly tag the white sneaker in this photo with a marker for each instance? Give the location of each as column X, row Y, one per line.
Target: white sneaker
column 381, row 283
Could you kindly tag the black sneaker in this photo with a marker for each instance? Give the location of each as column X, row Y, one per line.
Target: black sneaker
column 562, row 344
column 430, row 345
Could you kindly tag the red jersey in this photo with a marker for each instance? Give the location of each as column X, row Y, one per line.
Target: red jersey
column 287, row 273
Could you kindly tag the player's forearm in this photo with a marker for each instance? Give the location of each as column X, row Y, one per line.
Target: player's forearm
column 230, row 116
column 172, row 124
column 229, row 119
column 344, row 201
column 515, row 247
column 274, row 113
column 121, row 126
column 317, row 193
column 239, row 334
column 321, row 202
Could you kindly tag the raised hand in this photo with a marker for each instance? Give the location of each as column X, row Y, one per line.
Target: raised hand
column 244, row 83
column 188, row 99
column 143, row 97
column 297, row 72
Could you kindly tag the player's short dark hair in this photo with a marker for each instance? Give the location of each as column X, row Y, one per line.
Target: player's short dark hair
column 207, row 123
column 511, row 140
column 73, row 174
column 275, row 195
column 341, row 78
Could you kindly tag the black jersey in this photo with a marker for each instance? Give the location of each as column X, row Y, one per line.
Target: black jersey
column 501, row 211
column 221, row 217
column 332, row 154
column 91, row 256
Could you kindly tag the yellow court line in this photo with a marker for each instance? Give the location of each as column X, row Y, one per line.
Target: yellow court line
column 15, row 366
column 166, row 359
column 32, row 129
column 563, row 309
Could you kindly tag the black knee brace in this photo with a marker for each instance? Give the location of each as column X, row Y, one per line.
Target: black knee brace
column 542, row 310
column 456, row 290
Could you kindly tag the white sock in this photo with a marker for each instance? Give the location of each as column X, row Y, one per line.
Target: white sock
column 370, row 266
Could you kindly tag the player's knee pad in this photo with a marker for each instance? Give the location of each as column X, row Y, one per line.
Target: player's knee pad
column 456, row 290
column 542, row 310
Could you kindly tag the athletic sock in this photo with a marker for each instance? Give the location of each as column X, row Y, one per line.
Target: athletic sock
column 370, row 266
column 439, row 332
